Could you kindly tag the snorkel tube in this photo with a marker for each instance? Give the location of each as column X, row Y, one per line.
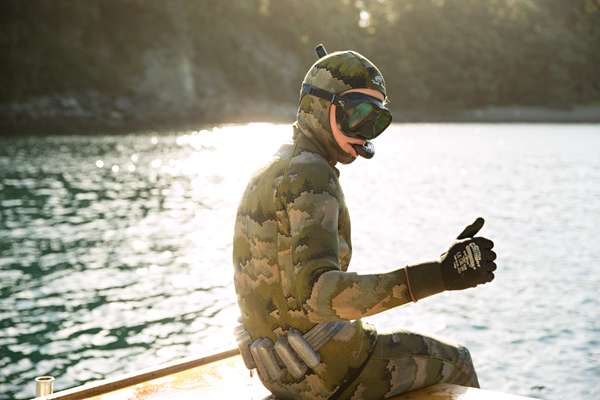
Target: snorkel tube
column 366, row 150
column 320, row 50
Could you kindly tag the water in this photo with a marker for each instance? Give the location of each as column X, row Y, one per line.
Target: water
column 115, row 252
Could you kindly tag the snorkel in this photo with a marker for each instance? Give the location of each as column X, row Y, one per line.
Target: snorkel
column 320, row 50
column 357, row 115
column 366, row 150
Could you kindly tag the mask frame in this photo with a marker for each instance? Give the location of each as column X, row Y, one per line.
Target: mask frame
column 359, row 115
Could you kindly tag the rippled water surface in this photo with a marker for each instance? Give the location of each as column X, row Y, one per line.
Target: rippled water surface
column 115, row 252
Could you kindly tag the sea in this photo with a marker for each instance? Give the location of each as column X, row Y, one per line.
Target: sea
column 115, row 251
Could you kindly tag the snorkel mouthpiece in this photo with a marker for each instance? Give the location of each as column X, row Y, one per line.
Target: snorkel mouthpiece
column 366, row 150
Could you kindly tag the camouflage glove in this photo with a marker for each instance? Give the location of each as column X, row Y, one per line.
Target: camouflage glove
column 469, row 261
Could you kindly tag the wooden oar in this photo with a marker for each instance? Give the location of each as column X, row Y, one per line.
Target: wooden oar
column 108, row 385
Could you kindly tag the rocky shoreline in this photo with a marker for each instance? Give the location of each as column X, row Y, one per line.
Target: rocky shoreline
column 94, row 114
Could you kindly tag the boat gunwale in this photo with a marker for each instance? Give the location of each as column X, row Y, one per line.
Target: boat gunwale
column 103, row 386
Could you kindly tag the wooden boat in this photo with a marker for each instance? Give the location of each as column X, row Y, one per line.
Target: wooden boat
column 223, row 376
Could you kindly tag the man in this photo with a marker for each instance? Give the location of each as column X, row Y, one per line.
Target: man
column 292, row 249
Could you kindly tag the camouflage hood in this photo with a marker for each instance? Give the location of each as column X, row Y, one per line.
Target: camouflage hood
column 336, row 73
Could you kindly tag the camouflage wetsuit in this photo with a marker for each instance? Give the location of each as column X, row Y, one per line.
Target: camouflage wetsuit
column 292, row 249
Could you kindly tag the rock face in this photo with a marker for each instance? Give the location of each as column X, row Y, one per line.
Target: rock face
column 132, row 64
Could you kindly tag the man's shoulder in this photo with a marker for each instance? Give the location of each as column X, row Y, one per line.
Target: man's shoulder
column 310, row 164
column 274, row 168
column 309, row 172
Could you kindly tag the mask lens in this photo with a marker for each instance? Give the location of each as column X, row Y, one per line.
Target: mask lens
column 363, row 116
column 382, row 121
column 358, row 113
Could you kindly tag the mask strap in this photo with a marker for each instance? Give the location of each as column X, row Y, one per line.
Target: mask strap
column 321, row 93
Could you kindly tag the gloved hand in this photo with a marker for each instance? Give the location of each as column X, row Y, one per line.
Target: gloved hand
column 469, row 261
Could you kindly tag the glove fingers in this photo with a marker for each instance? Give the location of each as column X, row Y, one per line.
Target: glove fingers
column 489, row 277
column 489, row 266
column 472, row 229
column 489, row 255
column 483, row 242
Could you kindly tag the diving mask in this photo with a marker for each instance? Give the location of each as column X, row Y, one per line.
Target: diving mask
column 359, row 115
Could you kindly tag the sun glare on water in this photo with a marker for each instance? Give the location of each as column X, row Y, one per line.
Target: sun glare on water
column 232, row 150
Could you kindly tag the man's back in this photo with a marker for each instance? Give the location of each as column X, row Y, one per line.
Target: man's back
column 292, row 225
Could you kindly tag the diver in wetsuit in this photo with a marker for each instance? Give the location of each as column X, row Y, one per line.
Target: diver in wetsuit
column 292, row 249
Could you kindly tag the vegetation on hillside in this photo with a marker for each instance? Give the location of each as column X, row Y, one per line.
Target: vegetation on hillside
column 150, row 62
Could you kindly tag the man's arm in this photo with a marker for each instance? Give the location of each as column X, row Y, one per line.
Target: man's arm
column 341, row 295
column 313, row 276
column 344, row 295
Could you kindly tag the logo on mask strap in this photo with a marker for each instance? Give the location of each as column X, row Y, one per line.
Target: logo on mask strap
column 378, row 80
